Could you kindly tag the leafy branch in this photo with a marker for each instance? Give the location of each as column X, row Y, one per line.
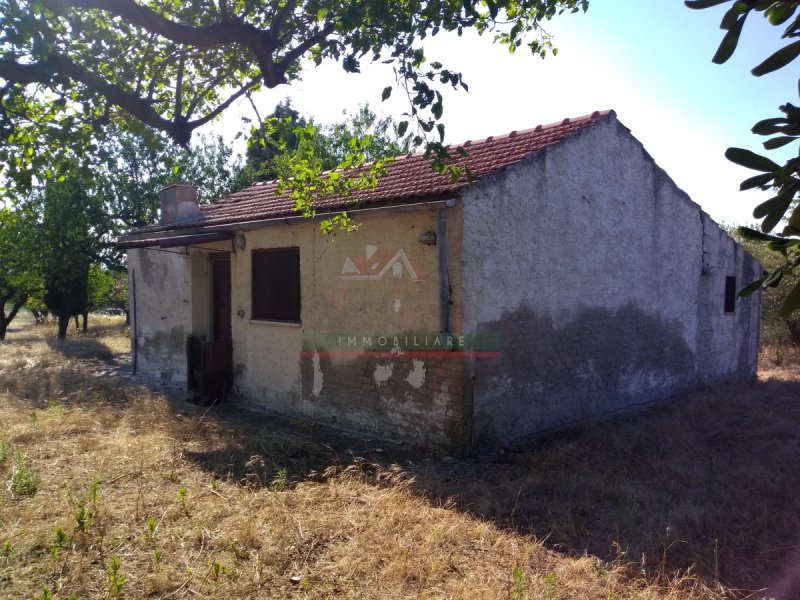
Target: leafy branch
column 783, row 180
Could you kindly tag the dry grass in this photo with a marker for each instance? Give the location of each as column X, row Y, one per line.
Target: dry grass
column 213, row 503
column 779, row 355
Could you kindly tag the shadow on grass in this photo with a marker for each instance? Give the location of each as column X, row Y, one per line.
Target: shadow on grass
column 707, row 482
column 84, row 348
column 84, row 345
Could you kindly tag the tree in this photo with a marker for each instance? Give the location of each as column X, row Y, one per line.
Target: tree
column 134, row 163
column 67, row 247
column 108, row 290
column 20, row 273
column 69, row 67
column 778, row 329
column 285, row 134
column 274, row 136
column 382, row 136
column 784, row 180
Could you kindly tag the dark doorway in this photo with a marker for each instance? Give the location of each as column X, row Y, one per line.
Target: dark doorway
column 211, row 362
column 221, row 296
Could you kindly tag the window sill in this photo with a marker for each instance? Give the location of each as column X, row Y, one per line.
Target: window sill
column 276, row 322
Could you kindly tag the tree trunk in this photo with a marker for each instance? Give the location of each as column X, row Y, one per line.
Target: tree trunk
column 5, row 321
column 85, row 316
column 794, row 331
column 77, row 326
column 127, row 318
column 63, row 324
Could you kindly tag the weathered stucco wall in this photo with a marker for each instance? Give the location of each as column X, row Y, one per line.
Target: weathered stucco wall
column 161, row 319
column 341, row 364
column 602, row 284
column 362, row 294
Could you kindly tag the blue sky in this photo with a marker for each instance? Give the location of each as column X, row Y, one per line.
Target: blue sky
column 649, row 60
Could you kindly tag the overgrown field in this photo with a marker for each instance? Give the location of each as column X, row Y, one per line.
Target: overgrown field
column 112, row 490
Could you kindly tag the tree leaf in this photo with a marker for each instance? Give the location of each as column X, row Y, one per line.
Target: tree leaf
column 780, row 59
column 756, row 181
column 755, row 234
column 728, row 45
column 778, row 142
column 769, row 126
column 780, row 12
column 773, row 279
column 791, row 303
column 753, row 287
column 699, row 4
column 751, row 160
column 776, row 214
column 387, row 91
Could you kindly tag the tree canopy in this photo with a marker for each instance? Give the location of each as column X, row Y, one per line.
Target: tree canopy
column 285, row 133
column 783, row 180
column 69, row 67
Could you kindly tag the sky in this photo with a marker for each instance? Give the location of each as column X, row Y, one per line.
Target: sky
column 649, row 60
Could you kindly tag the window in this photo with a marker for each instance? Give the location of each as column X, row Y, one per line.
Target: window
column 730, row 294
column 276, row 284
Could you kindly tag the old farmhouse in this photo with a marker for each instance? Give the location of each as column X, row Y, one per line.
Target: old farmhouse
column 569, row 279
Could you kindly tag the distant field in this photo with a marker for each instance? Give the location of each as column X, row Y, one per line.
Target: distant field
column 111, row 490
column 23, row 319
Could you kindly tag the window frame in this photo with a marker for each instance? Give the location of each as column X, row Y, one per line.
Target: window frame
column 264, row 313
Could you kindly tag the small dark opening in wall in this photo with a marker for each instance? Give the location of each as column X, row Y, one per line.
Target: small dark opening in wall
column 730, row 294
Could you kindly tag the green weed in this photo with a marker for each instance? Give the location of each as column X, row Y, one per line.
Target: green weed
column 281, row 481
column 182, row 493
column 94, row 491
column 550, row 586
column 55, row 408
column 217, row 571
column 7, row 551
column 61, row 541
column 151, row 529
column 83, row 517
column 116, row 582
column 519, row 583
column 24, row 480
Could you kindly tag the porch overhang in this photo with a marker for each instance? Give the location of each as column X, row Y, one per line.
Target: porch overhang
column 175, row 241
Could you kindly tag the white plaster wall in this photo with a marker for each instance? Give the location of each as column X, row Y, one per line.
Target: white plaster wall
column 162, row 318
column 585, row 262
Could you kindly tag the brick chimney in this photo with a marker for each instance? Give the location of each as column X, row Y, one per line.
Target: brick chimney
column 178, row 203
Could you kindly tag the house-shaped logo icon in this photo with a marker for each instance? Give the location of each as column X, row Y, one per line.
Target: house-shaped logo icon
column 376, row 263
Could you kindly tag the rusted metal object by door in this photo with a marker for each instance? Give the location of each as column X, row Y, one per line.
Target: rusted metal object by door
column 211, row 362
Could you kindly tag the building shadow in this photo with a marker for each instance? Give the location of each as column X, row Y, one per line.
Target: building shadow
column 704, row 483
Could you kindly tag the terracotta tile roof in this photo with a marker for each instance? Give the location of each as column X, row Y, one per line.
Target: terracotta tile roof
column 409, row 178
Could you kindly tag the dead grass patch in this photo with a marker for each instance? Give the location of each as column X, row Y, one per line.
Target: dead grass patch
column 206, row 503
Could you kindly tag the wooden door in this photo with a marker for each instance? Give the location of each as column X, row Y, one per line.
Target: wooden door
column 221, row 296
column 217, row 355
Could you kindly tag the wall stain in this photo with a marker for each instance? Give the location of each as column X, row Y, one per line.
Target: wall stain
column 547, row 376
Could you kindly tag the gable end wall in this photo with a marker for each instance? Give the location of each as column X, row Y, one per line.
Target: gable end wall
column 602, row 286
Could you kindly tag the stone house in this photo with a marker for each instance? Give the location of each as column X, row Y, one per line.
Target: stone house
column 567, row 280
